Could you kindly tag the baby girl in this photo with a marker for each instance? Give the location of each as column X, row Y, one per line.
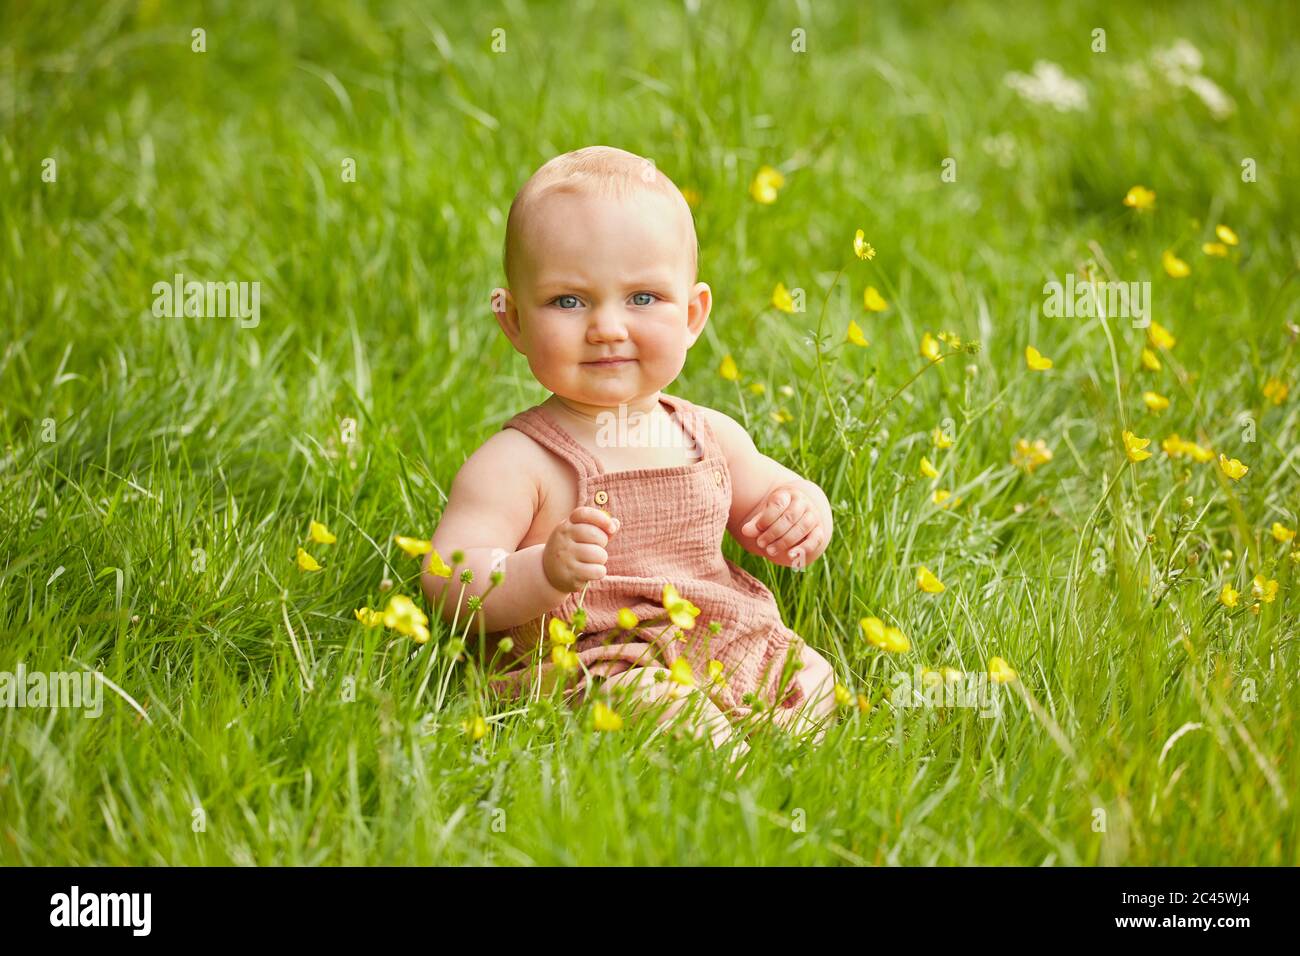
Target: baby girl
column 610, row 490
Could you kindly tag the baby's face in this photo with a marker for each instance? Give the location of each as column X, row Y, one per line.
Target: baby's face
column 605, row 277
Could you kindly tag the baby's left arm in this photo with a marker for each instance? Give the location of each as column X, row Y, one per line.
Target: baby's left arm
column 775, row 513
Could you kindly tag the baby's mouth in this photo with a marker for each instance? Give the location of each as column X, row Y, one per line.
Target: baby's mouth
column 610, row 362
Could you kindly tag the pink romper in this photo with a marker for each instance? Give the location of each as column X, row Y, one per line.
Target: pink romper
column 672, row 522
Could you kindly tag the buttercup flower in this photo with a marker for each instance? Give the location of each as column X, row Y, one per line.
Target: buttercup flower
column 1264, row 589
column 885, row 637
column 1226, row 235
column 940, row 440
column 927, row 582
column 855, row 335
column 1140, row 198
column 1216, row 249
column 1000, row 671
column 767, row 182
column 1150, row 361
column 1275, row 390
column 782, row 299
column 1036, row 360
column 928, row 469
column 626, row 619
column 1281, row 533
column 403, row 616
column 368, row 617
column 1232, row 467
column 1155, row 401
column 873, row 300
column 680, row 672
column 476, row 728
column 728, row 369
column 1229, row 597
column 1175, row 267
column 1133, row 447
column 861, row 248
column 604, row 718
column 1159, row 336
column 320, row 534
column 842, row 695
column 564, row 659
column 1029, row 457
column 680, row 611
column 560, row 632
column 306, row 562
column 930, row 348
column 414, row 547
column 715, row 673
column 940, row 496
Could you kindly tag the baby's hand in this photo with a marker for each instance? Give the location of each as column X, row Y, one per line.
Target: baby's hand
column 787, row 520
column 575, row 552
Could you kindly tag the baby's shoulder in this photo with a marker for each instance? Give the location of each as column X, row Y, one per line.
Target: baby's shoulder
column 730, row 434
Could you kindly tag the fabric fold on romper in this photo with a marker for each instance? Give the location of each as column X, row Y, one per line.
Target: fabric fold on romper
column 672, row 524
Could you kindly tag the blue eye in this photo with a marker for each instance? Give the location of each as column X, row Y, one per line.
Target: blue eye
column 649, row 295
column 567, row 301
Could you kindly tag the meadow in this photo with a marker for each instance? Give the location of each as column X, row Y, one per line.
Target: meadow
column 1131, row 608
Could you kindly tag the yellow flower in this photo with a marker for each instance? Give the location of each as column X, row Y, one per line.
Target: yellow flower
column 950, row 339
column 861, row 248
column 1000, row 671
column 1029, row 457
column 603, row 717
column 758, row 388
column 1216, row 249
column 782, row 299
column 320, row 534
column 715, row 673
column 1133, row 447
column 404, row 616
column 1177, row 268
column 560, row 632
column 1275, row 390
column 414, row 547
column 864, row 705
column 842, row 695
column 368, row 617
column 1150, row 361
column 941, row 440
column 1159, row 336
column 855, row 335
column 680, row 673
column 887, row 638
column 626, row 619
column 767, row 182
column 476, row 728
column 940, row 496
column 306, row 562
column 1036, row 360
column 437, row 566
column 873, row 300
column 1176, row 447
column 927, row 582
column 1232, row 468
column 780, row 416
column 951, row 674
column 930, row 348
column 692, row 197
column 1263, row 589
column 928, row 469
column 1140, row 198
column 1225, row 234
column 564, row 659
column 1281, row 533
column 680, row 611
column 1229, row 596
column 1154, row 401
column 728, row 368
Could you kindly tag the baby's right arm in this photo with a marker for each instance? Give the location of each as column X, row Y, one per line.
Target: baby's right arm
column 493, row 501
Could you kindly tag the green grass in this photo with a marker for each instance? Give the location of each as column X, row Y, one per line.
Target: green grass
column 172, row 435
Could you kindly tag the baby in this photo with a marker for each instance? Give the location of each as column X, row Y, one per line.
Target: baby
column 610, row 489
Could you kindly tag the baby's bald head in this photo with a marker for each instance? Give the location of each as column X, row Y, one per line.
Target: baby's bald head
column 594, row 170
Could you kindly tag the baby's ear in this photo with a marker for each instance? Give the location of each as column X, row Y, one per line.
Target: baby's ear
column 507, row 315
column 698, row 307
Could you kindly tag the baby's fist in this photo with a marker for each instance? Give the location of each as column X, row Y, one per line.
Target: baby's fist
column 787, row 523
column 575, row 552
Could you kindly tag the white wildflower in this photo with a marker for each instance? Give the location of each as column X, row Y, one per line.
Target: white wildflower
column 1049, row 84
